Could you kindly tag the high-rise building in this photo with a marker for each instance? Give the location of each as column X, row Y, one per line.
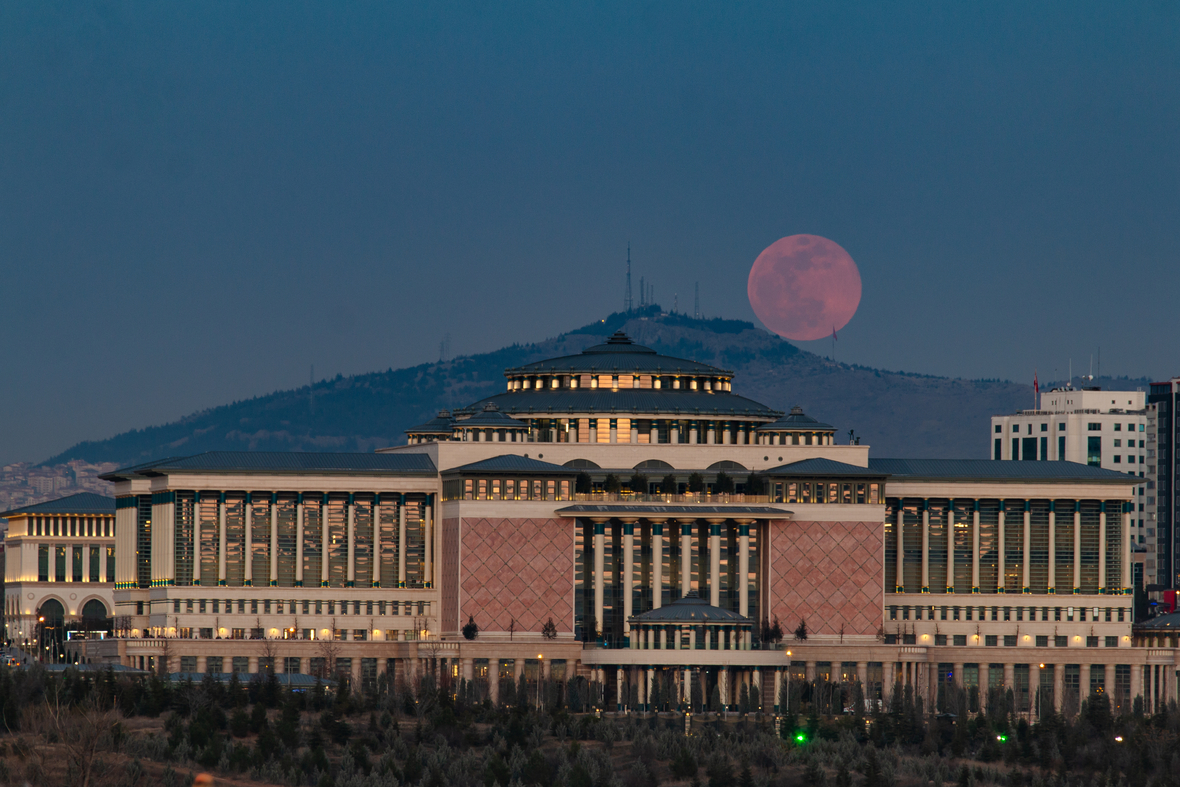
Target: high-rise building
column 1161, row 503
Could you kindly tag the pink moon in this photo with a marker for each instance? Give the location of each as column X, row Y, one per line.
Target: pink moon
column 803, row 287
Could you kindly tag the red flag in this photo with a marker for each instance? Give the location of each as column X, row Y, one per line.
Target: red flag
column 1036, row 385
column 834, row 337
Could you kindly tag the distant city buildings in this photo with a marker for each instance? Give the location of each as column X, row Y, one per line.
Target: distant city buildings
column 25, row 484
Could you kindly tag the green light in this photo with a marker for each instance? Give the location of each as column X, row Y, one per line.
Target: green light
column 1001, row 738
column 801, row 737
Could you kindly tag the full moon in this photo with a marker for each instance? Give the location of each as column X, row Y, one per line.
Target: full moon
column 803, row 287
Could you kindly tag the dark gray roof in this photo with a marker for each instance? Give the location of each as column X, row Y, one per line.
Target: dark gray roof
column 1168, row 623
column 689, row 609
column 618, row 354
column 283, row 462
column 512, row 463
column 442, row 423
column 83, row 503
column 690, row 510
column 296, row 680
column 645, row 401
column 824, row 467
column 796, row 421
column 489, row 417
column 996, row 470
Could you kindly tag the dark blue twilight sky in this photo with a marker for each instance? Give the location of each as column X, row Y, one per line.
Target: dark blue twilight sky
column 200, row 200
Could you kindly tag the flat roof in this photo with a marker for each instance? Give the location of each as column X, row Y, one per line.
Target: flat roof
column 695, row 511
column 81, row 503
column 282, row 463
column 996, row 470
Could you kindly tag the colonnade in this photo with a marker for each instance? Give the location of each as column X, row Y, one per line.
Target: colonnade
column 1071, row 584
column 657, row 549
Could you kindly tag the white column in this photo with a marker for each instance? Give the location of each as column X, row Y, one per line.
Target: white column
column 975, row 549
column 778, row 688
column 220, row 540
column 274, row 539
column 1026, row 574
column 324, row 542
column 599, row 564
column 299, row 541
column 925, row 547
column 197, row 539
column 1000, row 581
column 628, row 575
column 375, row 559
column 1126, row 563
column 619, row 702
column 1102, row 550
column 248, row 555
column 1052, row 546
column 1077, row 549
column 685, row 557
column 715, row 563
column 649, row 675
column 657, row 564
column 950, row 547
column 401, row 543
column 428, row 567
column 350, row 569
column 744, row 568
column 900, row 580
column 723, row 686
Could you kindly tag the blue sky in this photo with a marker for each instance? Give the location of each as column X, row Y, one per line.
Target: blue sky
column 199, row 201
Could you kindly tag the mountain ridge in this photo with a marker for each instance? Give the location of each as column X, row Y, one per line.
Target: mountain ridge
column 905, row 414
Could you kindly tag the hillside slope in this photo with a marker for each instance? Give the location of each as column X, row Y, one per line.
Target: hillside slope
column 899, row 414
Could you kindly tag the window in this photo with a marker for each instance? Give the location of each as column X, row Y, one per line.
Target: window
column 237, row 634
column 960, row 640
column 1091, row 642
column 1060, row 642
column 188, row 663
column 991, row 640
column 1015, row 428
column 1044, row 427
column 940, row 639
column 1118, row 428
column 1094, row 451
column 360, row 635
column 241, row 664
column 176, row 609
column 206, row 633
column 1118, row 459
column 1112, row 642
column 215, row 665
column 1009, row 640
column 1042, row 641
column 998, row 450
column 998, row 429
column 1060, row 427
column 1061, row 449
column 1094, row 427
column 1118, row 443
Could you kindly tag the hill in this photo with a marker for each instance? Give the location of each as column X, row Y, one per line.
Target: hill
column 899, row 414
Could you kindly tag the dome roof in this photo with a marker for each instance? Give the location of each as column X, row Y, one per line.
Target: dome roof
column 603, row 402
column 443, row 423
column 1166, row 623
column 797, row 421
column 690, row 609
column 490, row 418
column 618, row 354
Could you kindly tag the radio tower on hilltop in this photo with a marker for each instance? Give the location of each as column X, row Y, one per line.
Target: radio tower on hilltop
column 627, row 295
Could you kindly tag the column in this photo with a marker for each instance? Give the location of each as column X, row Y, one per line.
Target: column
column 1058, row 685
column 1025, row 576
column 299, row 541
column 723, row 686
column 324, row 541
column 1010, row 675
column 196, row 538
column 375, row 559
column 900, row 578
column 220, row 540
column 744, row 569
column 657, row 564
column 975, row 547
column 494, row 681
column 778, row 688
column 248, row 552
column 628, row 577
column 1077, row 547
column 1102, row 548
column 686, row 687
column 1084, row 682
column 619, row 690
column 1126, row 536
column 925, row 546
column 350, row 575
column 1136, row 682
column 862, row 674
column 715, row 562
column 649, row 675
column 663, row 637
column 274, row 540
column 599, row 589
column 1052, row 543
column 428, row 526
column 1000, row 579
column 401, row 542
column 950, row 546
column 685, row 558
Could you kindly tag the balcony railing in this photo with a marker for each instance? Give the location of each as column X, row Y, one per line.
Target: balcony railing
column 690, row 497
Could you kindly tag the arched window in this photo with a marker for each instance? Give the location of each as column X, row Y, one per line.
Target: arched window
column 53, row 612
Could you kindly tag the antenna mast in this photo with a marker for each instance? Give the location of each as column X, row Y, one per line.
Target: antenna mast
column 627, row 295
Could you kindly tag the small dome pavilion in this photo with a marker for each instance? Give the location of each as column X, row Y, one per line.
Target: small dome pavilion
column 691, row 623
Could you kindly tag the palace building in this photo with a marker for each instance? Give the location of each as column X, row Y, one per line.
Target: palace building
column 626, row 517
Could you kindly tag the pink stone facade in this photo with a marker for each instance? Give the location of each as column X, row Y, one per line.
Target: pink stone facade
column 828, row 573
column 517, row 569
column 449, row 576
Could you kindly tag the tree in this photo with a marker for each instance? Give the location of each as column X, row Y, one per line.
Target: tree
column 668, row 486
column 549, row 631
column 696, row 483
column 511, row 628
column 776, row 631
column 724, row 484
column 755, row 485
column 471, row 629
column 801, row 631
column 637, row 483
column 582, row 483
column 82, row 731
column 612, row 485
